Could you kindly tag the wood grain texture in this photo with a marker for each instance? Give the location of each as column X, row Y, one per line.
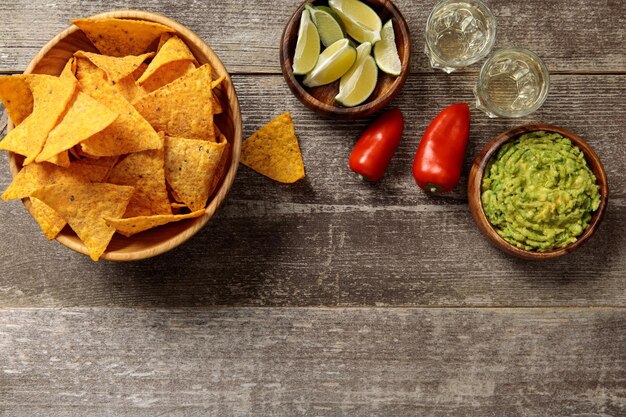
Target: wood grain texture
column 570, row 36
column 323, row 362
column 334, row 240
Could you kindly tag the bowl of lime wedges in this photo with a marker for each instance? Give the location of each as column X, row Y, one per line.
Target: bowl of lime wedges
column 346, row 58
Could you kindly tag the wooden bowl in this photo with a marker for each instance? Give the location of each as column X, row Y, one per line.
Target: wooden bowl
column 321, row 99
column 475, row 183
column 51, row 60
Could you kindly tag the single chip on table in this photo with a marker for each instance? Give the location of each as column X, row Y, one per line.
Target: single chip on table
column 121, row 37
column 190, row 168
column 115, row 68
column 192, row 92
column 133, row 225
column 173, row 58
column 51, row 96
column 144, row 171
column 129, row 132
column 17, row 97
column 85, row 117
column 84, row 207
column 274, row 152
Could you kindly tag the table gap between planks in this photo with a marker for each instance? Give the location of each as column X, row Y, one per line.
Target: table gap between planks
column 402, row 307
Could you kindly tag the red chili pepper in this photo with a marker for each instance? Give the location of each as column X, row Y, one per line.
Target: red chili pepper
column 372, row 153
column 439, row 158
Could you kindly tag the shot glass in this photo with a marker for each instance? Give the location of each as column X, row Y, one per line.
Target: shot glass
column 459, row 33
column 513, row 82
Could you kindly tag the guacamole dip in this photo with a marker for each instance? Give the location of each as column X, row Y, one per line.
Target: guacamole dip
column 538, row 192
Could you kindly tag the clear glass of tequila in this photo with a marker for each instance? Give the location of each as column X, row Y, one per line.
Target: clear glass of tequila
column 513, row 82
column 459, row 33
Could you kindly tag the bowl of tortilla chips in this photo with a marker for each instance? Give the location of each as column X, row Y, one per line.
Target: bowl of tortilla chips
column 124, row 135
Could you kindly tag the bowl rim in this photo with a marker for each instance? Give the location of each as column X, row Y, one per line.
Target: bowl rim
column 362, row 110
column 219, row 195
column 475, row 185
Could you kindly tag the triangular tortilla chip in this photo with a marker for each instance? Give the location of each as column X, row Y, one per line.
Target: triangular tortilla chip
column 34, row 176
column 134, row 225
column 17, row 97
column 129, row 89
column 121, row 37
column 50, row 222
column 273, row 151
column 51, row 96
column 115, row 68
column 129, row 132
column 167, row 74
column 220, row 171
column 85, row 117
column 190, row 167
column 173, row 50
column 83, row 207
column 217, row 105
column 61, row 159
column 144, row 171
column 162, row 107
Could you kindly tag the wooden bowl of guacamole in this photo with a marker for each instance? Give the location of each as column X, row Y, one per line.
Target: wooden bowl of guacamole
column 538, row 191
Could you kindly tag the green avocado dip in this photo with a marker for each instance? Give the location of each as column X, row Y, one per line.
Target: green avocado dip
column 538, row 192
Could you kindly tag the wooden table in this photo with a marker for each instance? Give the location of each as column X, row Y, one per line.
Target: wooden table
column 332, row 296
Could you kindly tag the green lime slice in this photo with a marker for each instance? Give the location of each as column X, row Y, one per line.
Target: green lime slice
column 328, row 28
column 359, row 20
column 333, row 62
column 307, row 46
column 385, row 51
column 360, row 81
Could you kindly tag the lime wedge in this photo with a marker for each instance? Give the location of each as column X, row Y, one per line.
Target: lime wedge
column 385, row 51
column 360, row 81
column 329, row 29
column 307, row 47
column 335, row 61
column 360, row 21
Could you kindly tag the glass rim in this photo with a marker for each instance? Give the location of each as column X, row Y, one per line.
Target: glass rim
column 487, row 48
column 544, row 91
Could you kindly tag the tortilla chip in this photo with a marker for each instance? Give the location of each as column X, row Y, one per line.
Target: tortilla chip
column 121, row 37
column 83, row 207
column 51, row 96
column 85, row 118
column 61, row 159
column 129, row 132
column 70, row 67
column 34, row 176
column 129, row 89
column 220, row 171
column 190, row 168
column 17, row 97
column 183, row 107
column 167, row 74
column 144, row 171
column 50, row 222
column 115, row 68
column 134, row 225
column 274, row 152
column 172, row 50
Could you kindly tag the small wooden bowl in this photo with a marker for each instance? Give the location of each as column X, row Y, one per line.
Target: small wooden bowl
column 51, row 60
column 321, row 99
column 475, row 183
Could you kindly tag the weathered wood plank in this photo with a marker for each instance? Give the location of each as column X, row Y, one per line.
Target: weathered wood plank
column 571, row 36
column 333, row 240
column 329, row 362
